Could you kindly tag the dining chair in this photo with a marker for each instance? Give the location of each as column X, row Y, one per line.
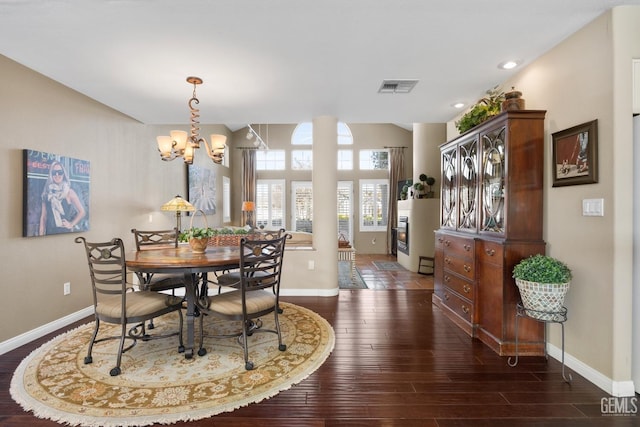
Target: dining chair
column 115, row 301
column 257, row 295
column 232, row 278
column 158, row 282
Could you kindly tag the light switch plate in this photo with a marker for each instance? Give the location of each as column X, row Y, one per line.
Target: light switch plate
column 593, row 207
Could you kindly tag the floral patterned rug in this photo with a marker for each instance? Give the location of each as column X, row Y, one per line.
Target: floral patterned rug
column 157, row 384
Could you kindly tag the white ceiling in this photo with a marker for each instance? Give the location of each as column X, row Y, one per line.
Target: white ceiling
column 285, row 61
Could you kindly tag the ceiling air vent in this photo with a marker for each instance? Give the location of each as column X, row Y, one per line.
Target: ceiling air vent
column 397, row 86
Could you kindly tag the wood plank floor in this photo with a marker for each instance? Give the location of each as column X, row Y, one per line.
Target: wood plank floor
column 397, row 362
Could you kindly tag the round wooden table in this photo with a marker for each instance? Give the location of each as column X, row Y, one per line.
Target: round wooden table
column 183, row 260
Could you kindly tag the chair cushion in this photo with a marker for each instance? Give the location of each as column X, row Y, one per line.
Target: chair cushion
column 142, row 303
column 230, row 303
column 164, row 282
column 233, row 279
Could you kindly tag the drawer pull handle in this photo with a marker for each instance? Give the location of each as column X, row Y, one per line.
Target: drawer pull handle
column 466, row 289
column 447, row 261
column 447, row 243
column 467, row 247
column 440, row 239
column 490, row 252
column 467, row 268
column 446, row 296
column 447, row 279
column 465, row 309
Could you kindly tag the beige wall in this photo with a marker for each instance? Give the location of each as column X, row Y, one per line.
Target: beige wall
column 587, row 77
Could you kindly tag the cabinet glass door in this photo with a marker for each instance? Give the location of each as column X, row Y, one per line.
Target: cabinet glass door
column 448, row 193
column 493, row 155
column 467, row 189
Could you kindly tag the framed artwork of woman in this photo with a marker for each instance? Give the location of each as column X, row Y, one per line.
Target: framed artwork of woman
column 56, row 196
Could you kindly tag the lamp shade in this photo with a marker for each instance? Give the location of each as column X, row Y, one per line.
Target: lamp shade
column 248, row 206
column 177, row 204
column 218, row 141
column 179, row 137
column 165, row 145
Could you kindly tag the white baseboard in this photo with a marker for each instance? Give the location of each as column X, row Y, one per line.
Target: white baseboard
column 27, row 337
column 614, row 388
column 309, row 292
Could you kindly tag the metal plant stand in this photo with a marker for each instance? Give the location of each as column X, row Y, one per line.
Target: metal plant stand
column 546, row 317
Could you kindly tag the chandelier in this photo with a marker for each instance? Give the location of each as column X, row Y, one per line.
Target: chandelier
column 181, row 144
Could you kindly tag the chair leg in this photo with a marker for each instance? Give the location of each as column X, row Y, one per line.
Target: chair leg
column 116, row 371
column 89, row 358
column 181, row 346
column 202, row 351
column 281, row 346
column 248, row 365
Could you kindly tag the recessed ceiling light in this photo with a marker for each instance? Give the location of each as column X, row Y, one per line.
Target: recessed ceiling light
column 509, row 65
column 458, row 105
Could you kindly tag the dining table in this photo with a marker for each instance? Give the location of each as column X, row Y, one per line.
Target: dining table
column 194, row 267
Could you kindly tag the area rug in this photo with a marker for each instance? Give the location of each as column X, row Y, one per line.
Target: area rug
column 157, row 384
column 388, row 265
column 346, row 280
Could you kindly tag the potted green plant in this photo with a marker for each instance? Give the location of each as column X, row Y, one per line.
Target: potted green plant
column 405, row 192
column 427, row 181
column 419, row 190
column 482, row 111
column 430, row 181
column 197, row 237
column 543, row 282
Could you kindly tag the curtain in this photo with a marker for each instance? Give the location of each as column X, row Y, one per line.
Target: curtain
column 248, row 180
column 396, row 173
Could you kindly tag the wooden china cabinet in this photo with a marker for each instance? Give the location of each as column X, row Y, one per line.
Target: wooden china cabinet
column 490, row 219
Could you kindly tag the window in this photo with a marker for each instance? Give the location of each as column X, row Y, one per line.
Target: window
column 301, row 160
column 374, row 160
column 270, row 203
column 302, row 206
column 226, row 199
column 374, row 199
column 303, row 134
column 270, row 160
column 344, row 134
column 345, row 160
column 345, row 209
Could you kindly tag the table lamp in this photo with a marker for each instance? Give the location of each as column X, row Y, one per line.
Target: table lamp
column 249, row 207
column 178, row 205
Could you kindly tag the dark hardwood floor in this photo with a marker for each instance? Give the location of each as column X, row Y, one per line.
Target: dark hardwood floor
column 397, row 362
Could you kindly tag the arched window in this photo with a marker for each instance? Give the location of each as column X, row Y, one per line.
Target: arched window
column 303, row 134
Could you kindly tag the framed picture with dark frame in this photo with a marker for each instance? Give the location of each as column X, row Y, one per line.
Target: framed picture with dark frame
column 56, row 194
column 575, row 155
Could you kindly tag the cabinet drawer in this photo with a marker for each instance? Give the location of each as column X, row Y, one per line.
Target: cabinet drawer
column 458, row 246
column 460, row 306
column 464, row 288
column 490, row 252
column 463, row 267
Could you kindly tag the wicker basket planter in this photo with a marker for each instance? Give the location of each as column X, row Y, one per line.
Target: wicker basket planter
column 199, row 245
column 198, row 238
column 226, row 240
column 540, row 300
